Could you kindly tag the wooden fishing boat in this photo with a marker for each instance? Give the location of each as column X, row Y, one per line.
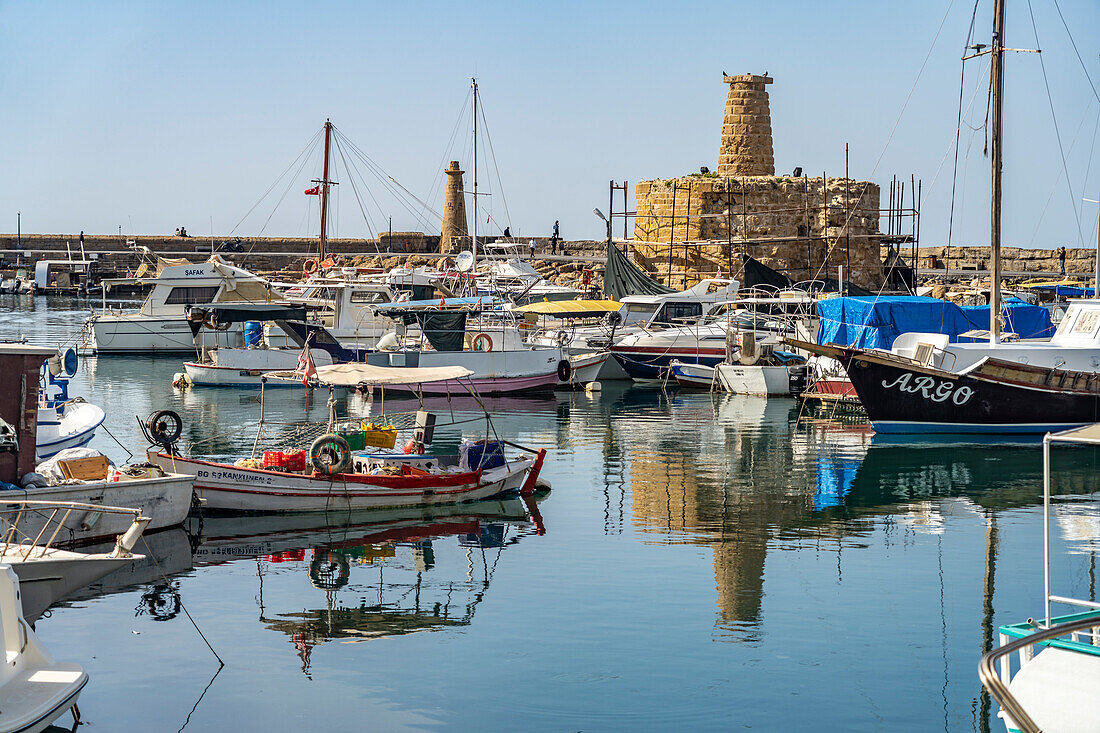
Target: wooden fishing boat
column 337, row 478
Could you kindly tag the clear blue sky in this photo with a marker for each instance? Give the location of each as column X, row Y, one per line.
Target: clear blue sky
column 153, row 115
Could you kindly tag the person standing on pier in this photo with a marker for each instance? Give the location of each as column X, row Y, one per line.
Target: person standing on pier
column 555, row 239
column 1062, row 260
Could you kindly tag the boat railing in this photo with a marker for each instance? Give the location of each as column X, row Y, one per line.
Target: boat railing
column 995, row 670
column 17, row 540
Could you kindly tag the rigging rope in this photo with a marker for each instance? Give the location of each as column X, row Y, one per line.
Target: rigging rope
column 1054, row 117
column 312, row 142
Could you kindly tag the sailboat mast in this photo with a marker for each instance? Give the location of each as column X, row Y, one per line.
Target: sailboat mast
column 324, row 196
column 473, row 85
column 997, row 103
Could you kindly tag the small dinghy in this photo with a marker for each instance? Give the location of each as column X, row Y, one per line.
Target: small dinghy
column 336, row 471
column 692, row 376
column 34, row 689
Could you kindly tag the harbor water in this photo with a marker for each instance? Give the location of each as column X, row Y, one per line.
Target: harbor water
column 709, row 562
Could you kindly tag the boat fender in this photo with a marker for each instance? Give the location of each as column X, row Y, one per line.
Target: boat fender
column 565, row 370
column 330, row 454
column 165, row 427
column 180, row 380
column 482, row 342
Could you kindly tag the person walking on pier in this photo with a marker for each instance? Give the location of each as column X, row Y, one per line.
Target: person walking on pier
column 1062, row 260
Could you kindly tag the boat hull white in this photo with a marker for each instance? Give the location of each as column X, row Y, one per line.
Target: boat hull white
column 73, row 428
column 755, row 380
column 45, row 580
column 165, row 500
column 224, row 487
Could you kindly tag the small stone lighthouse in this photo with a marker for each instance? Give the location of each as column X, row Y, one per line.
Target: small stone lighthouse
column 454, row 210
column 746, row 148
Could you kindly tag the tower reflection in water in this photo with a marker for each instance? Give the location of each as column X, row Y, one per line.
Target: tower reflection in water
column 375, row 574
column 742, row 474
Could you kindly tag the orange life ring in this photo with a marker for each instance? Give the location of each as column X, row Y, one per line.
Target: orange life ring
column 482, row 340
column 310, row 267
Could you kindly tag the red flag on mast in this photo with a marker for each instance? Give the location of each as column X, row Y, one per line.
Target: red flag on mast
column 315, row 191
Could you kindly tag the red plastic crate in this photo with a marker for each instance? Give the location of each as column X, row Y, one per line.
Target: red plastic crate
column 295, row 460
column 273, row 459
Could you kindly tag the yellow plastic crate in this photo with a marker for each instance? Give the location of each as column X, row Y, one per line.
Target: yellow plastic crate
column 378, row 436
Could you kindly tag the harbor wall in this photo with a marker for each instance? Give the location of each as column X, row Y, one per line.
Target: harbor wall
column 1079, row 260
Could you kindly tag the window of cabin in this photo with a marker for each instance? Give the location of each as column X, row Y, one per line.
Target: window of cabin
column 369, row 296
column 191, row 295
column 678, row 312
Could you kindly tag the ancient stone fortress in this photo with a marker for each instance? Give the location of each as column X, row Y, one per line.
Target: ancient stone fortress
column 693, row 226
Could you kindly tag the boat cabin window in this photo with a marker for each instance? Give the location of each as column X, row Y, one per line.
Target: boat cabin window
column 640, row 308
column 191, row 295
column 678, row 312
column 1087, row 323
column 369, row 296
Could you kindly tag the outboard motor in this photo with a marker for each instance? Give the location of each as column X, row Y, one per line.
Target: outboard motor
column 797, row 379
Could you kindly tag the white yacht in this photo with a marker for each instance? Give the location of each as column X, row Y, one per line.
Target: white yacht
column 160, row 325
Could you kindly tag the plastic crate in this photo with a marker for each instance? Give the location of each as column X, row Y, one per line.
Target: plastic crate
column 273, row 459
column 294, row 460
column 380, row 437
column 485, row 454
column 356, row 439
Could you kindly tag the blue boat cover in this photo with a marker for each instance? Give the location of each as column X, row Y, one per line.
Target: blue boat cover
column 874, row 323
column 1026, row 320
column 487, row 301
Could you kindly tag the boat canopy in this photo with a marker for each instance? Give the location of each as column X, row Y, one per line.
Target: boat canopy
column 398, row 308
column 874, row 323
column 1064, row 288
column 354, row 375
column 570, row 308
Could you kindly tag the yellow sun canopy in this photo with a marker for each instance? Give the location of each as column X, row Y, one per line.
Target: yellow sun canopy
column 571, row 308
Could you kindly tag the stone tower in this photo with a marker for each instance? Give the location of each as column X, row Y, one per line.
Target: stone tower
column 454, row 209
column 746, row 148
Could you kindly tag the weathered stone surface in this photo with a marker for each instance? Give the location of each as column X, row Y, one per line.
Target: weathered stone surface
column 454, row 209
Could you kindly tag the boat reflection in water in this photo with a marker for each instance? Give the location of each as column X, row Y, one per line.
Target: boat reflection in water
column 744, row 476
column 377, row 574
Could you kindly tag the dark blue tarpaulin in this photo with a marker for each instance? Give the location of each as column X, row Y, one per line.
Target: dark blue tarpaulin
column 874, row 323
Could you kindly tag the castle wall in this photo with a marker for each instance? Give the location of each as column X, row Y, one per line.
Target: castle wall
column 803, row 226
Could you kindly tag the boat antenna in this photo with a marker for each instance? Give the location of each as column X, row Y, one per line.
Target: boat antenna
column 997, row 103
column 473, row 235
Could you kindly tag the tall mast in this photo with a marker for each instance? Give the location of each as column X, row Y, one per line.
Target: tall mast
column 324, row 196
column 997, row 49
column 473, row 85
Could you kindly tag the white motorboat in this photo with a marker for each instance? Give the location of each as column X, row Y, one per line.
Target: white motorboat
column 336, row 478
column 1057, row 672
column 31, row 531
column 520, row 283
column 35, row 690
column 693, row 376
column 161, row 326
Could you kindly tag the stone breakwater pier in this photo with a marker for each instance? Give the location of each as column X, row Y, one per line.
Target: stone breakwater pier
column 284, row 256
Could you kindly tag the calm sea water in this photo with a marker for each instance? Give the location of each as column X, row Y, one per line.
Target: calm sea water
column 708, row 563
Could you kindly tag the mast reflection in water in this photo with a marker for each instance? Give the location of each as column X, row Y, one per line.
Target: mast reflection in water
column 377, row 574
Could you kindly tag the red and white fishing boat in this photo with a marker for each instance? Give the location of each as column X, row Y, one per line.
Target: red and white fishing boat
column 331, row 475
